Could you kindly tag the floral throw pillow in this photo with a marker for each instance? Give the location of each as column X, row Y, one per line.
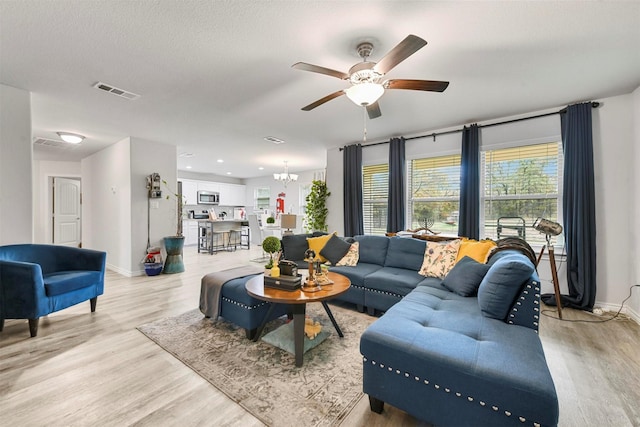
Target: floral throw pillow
column 439, row 258
column 352, row 256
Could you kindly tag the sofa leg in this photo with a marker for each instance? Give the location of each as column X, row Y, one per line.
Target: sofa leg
column 33, row 327
column 1, row 323
column 93, row 302
column 360, row 308
column 376, row 405
column 251, row 333
column 371, row 311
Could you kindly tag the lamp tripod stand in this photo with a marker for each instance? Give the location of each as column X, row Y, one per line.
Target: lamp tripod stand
column 554, row 272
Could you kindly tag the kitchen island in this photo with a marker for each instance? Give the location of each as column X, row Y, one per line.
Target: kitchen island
column 226, row 234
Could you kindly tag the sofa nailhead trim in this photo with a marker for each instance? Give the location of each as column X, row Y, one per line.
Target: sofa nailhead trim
column 245, row 306
column 448, row 390
column 376, row 291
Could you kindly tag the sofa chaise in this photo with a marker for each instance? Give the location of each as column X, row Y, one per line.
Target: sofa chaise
column 36, row 280
column 444, row 352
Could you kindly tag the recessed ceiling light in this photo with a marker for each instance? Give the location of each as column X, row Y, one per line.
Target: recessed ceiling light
column 273, row 139
column 260, row 168
column 220, row 161
column 228, row 173
column 71, row 138
column 188, row 167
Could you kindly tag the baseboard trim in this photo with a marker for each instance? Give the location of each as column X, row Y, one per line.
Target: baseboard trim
column 124, row 272
column 613, row 308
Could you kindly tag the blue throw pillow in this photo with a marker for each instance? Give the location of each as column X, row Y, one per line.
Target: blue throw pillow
column 465, row 277
column 335, row 249
column 502, row 284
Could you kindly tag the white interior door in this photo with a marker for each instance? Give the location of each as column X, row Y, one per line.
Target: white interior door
column 66, row 211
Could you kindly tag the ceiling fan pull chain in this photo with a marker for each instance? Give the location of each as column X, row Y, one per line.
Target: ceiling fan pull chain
column 364, row 136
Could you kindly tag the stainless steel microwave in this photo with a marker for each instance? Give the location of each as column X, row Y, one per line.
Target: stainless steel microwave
column 208, row 198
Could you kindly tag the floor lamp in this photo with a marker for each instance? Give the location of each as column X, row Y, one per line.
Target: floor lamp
column 550, row 228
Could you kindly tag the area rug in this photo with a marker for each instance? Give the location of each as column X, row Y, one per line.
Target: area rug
column 262, row 378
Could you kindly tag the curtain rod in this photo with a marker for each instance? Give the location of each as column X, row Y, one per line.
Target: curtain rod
column 564, row 110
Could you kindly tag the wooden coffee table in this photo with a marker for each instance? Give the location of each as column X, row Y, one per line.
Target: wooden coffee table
column 298, row 301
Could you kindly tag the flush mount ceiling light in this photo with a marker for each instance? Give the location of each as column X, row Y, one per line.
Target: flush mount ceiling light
column 71, row 138
column 285, row 177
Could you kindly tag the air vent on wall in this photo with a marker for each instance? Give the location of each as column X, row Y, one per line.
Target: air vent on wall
column 116, row 91
column 52, row 143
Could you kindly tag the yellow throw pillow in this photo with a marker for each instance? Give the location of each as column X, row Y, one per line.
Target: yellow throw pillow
column 439, row 258
column 317, row 243
column 478, row 250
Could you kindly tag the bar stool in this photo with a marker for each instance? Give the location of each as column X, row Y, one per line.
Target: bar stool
column 217, row 241
column 235, row 238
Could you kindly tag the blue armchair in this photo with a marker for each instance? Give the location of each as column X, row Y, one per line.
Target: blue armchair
column 36, row 280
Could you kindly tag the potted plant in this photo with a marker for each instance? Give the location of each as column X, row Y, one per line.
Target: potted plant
column 174, row 244
column 271, row 220
column 316, row 207
column 270, row 245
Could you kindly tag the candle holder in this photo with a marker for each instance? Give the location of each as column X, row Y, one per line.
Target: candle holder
column 311, row 284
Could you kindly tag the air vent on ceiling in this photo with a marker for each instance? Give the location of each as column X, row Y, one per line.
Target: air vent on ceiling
column 53, row 143
column 273, row 139
column 116, row 91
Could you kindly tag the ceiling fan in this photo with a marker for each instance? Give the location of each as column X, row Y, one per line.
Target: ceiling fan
column 366, row 77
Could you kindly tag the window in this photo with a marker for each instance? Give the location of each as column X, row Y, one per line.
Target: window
column 519, row 185
column 434, row 190
column 262, row 198
column 375, row 192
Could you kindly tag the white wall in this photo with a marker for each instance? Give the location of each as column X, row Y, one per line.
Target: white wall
column 115, row 201
column 43, row 171
column 634, row 253
column 148, row 157
column 616, row 136
column 613, row 164
column 106, row 207
column 16, row 153
column 292, row 202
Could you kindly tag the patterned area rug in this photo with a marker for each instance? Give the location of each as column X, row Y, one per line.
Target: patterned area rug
column 262, row 378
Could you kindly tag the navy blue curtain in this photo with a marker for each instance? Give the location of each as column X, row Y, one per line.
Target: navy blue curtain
column 579, row 208
column 352, row 172
column 469, row 215
column 396, row 201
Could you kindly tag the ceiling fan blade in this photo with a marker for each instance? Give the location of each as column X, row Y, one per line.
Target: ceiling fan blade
column 402, row 51
column 429, row 85
column 318, row 69
column 374, row 110
column 321, row 101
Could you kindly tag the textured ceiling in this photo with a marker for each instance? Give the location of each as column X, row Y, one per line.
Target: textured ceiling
column 215, row 77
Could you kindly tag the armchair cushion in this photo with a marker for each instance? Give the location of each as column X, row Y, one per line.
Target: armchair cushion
column 66, row 281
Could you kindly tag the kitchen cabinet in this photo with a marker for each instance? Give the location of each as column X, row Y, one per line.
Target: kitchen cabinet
column 213, row 187
column 232, row 194
column 190, row 231
column 190, row 192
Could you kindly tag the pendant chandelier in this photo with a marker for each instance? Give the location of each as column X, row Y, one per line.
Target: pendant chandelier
column 285, row 177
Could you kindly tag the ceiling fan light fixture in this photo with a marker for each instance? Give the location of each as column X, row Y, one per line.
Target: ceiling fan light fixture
column 71, row 138
column 364, row 94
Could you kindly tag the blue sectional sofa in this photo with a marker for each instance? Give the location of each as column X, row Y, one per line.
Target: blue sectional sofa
column 36, row 280
column 449, row 359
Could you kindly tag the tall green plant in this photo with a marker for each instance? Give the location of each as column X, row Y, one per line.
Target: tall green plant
column 316, row 208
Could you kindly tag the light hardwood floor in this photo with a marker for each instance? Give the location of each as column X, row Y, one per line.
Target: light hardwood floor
column 88, row 369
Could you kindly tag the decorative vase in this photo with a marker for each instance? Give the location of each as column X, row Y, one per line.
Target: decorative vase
column 174, row 245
